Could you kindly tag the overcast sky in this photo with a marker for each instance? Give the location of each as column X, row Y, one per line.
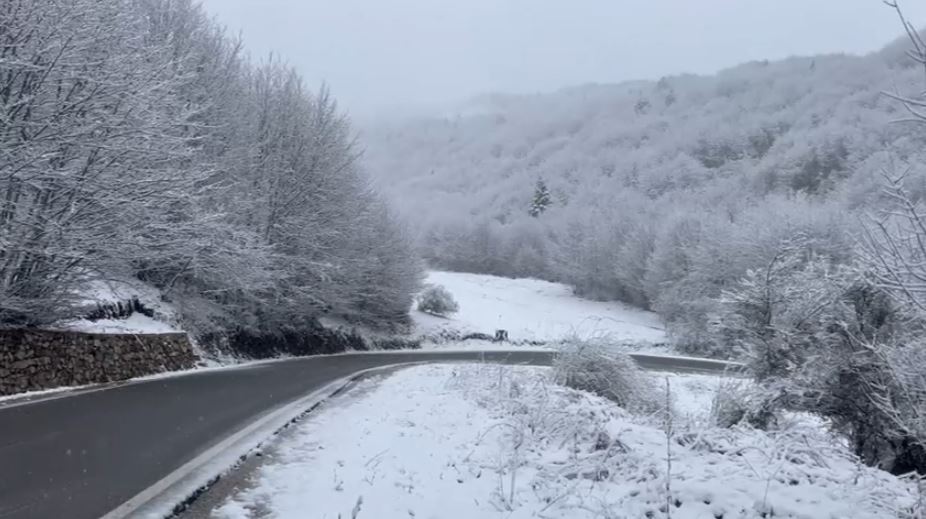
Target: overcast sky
column 383, row 55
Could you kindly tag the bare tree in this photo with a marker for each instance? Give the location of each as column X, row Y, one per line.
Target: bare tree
column 893, row 246
column 893, row 243
column 916, row 106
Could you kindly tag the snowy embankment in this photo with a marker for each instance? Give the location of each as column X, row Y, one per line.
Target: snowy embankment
column 101, row 293
column 472, row 441
column 533, row 311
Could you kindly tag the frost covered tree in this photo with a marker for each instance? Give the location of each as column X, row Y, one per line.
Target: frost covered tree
column 90, row 128
column 139, row 140
column 774, row 312
column 437, row 300
column 542, row 199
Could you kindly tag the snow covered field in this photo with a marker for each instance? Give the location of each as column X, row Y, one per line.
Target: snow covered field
column 474, row 441
column 534, row 310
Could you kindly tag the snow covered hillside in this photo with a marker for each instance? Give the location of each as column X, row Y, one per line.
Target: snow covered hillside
column 492, row 441
column 534, row 310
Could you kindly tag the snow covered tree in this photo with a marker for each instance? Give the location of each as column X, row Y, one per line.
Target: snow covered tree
column 542, row 199
column 437, row 300
column 776, row 311
column 138, row 141
column 893, row 248
column 91, row 129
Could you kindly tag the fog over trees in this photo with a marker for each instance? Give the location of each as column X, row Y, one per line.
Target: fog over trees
column 138, row 139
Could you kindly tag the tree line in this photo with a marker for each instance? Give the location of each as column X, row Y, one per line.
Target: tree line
column 137, row 139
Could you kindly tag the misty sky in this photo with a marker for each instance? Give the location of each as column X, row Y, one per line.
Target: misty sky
column 383, row 55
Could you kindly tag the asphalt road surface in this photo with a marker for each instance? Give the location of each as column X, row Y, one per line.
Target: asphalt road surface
column 82, row 455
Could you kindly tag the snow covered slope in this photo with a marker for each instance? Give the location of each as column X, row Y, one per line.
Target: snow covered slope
column 534, row 310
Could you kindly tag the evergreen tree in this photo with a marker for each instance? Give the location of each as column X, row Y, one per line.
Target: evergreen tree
column 542, row 199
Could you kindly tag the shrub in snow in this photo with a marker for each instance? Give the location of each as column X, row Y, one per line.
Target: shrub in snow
column 824, row 342
column 875, row 394
column 866, row 378
column 437, row 300
column 590, row 365
column 778, row 312
column 737, row 402
column 728, row 407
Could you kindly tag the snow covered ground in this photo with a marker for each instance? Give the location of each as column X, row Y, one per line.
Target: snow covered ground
column 109, row 292
column 135, row 323
column 534, row 310
column 468, row 441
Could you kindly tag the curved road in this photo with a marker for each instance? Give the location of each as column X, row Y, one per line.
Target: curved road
column 81, row 455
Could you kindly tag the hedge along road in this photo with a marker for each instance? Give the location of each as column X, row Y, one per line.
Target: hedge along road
column 84, row 454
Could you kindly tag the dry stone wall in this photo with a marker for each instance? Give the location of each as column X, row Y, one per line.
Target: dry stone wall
column 33, row 359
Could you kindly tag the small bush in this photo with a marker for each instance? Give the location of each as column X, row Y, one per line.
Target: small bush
column 740, row 403
column 437, row 300
column 729, row 405
column 589, row 365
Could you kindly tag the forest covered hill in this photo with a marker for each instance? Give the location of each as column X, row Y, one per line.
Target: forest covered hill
column 659, row 193
column 802, row 125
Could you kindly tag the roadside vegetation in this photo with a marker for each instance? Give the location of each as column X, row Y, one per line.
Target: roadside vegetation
column 504, row 441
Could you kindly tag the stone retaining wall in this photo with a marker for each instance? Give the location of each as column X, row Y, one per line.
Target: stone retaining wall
column 33, row 359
